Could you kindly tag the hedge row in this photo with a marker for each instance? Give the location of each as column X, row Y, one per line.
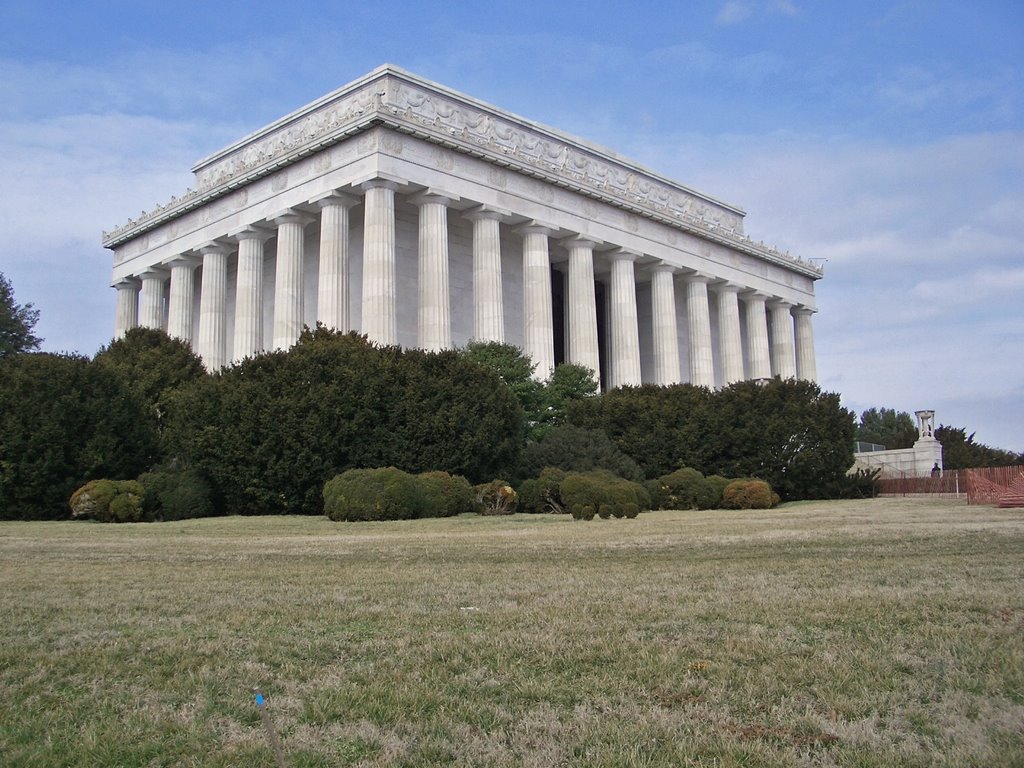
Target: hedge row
column 391, row 494
column 164, row 494
column 687, row 488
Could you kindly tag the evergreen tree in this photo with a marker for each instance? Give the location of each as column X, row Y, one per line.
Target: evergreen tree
column 888, row 427
column 959, row 451
column 16, row 323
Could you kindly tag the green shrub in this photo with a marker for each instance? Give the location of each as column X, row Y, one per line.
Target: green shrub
column 108, row 501
column 709, row 495
column 63, row 422
column 582, row 512
column 445, row 495
column 528, row 492
column 496, row 498
column 584, row 494
column 270, row 431
column 176, row 494
column 576, row 450
column 373, row 494
column 749, row 494
column 540, row 495
column 678, row 490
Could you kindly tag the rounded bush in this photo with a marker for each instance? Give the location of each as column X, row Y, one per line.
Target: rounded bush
column 748, row 494
column 108, row 501
column 583, row 512
column 373, row 494
column 529, row 497
column 604, row 493
column 176, row 494
column 541, row 496
column 709, row 495
column 445, row 495
column 679, row 489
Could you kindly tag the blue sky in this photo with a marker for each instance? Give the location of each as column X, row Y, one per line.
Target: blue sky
column 885, row 137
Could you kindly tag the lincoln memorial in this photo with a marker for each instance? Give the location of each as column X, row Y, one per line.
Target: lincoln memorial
column 422, row 217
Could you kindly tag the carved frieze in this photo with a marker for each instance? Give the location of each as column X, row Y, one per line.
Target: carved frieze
column 408, row 104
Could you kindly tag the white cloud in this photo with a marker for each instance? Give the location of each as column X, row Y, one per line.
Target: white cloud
column 733, row 12
column 737, row 11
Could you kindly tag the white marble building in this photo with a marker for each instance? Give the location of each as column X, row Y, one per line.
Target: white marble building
column 422, row 217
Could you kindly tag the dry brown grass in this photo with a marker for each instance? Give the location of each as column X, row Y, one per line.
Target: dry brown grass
column 884, row 632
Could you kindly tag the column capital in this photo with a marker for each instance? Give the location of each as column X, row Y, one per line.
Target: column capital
column 534, row 227
column 622, row 254
column 486, row 212
column 126, row 282
column 436, row 196
column 697, row 277
column 182, row 260
column 803, row 309
column 334, row 197
column 153, row 273
column 251, row 232
column 754, row 295
column 291, row 216
column 578, row 241
column 774, row 302
column 727, row 288
column 663, row 267
column 381, row 181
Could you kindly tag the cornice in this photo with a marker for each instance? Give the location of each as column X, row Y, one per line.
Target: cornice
column 404, row 102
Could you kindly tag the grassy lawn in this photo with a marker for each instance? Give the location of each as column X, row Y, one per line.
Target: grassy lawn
column 873, row 633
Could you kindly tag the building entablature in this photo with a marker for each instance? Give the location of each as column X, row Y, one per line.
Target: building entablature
column 412, row 106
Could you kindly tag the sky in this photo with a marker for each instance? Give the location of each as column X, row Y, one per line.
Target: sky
column 885, row 138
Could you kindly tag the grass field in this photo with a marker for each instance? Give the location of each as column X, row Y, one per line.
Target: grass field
column 873, row 633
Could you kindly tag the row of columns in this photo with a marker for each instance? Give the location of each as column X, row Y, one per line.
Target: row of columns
column 788, row 353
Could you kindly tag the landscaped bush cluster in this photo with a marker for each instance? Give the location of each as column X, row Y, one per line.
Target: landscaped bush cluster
column 686, row 488
column 749, row 494
column 388, row 493
column 789, row 433
column 270, row 431
column 584, row 495
column 108, row 501
column 264, row 436
column 164, row 494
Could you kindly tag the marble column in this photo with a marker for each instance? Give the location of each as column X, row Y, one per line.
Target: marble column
column 757, row 336
column 806, row 366
column 179, row 306
column 333, row 283
column 152, row 299
column 698, row 313
column 730, row 341
column 127, row 316
column 538, row 324
column 625, row 368
column 248, row 340
column 434, row 331
column 665, row 325
column 783, row 353
column 379, row 321
column 582, row 345
column 488, row 307
column 213, row 294
column 289, row 307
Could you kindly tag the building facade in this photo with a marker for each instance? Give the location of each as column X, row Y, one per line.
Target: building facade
column 422, row 217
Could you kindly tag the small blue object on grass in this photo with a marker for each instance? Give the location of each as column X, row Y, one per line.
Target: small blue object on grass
column 265, row 717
